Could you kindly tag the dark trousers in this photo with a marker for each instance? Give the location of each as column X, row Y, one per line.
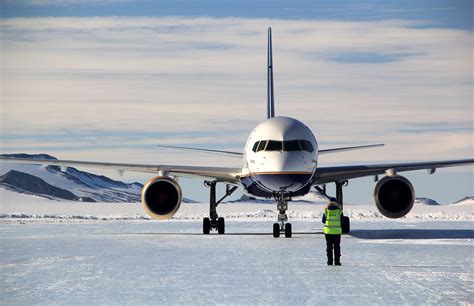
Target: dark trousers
column 333, row 242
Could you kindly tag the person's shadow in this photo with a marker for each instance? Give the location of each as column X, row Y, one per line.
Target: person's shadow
column 413, row 234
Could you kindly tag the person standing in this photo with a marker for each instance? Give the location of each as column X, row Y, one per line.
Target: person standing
column 332, row 219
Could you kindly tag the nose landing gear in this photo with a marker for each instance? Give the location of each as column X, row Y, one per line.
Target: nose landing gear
column 281, row 226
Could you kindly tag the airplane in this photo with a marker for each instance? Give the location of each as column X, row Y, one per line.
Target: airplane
column 280, row 161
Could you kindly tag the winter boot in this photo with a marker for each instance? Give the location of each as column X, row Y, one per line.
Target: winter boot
column 330, row 258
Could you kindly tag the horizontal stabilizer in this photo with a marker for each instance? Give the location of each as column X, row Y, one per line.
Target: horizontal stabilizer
column 237, row 154
column 342, row 149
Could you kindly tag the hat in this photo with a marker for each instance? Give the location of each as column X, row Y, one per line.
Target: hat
column 333, row 203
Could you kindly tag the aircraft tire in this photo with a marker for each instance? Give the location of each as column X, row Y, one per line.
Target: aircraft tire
column 206, row 226
column 346, row 225
column 276, row 230
column 221, row 225
column 288, row 231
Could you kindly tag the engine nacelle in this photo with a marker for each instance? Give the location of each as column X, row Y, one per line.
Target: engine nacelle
column 394, row 196
column 161, row 197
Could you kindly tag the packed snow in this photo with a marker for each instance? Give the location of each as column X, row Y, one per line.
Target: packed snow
column 66, row 252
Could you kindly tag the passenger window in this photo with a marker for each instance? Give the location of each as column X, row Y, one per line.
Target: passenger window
column 255, row 146
column 274, row 145
column 291, row 145
column 261, row 146
column 307, row 146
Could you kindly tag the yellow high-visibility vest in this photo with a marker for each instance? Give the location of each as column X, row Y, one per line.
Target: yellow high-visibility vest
column 333, row 222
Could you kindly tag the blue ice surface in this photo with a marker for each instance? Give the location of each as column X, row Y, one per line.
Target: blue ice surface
column 167, row 263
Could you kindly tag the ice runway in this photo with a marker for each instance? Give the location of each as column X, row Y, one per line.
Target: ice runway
column 171, row 262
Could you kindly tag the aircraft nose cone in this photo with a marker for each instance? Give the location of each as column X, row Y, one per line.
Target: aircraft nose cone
column 286, row 173
column 287, row 181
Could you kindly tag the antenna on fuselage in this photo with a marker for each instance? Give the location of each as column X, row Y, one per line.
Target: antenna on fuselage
column 270, row 96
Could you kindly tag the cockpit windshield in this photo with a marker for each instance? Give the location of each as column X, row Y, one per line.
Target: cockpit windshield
column 274, row 145
column 292, row 145
column 287, row 145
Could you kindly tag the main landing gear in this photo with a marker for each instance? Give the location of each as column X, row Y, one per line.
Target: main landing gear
column 214, row 221
column 345, row 222
column 281, row 227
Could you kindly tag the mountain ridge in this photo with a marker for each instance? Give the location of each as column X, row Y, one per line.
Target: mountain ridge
column 73, row 184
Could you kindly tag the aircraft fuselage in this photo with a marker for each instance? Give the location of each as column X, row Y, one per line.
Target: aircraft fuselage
column 281, row 155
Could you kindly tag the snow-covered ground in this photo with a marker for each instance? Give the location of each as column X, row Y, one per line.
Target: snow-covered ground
column 109, row 253
column 16, row 207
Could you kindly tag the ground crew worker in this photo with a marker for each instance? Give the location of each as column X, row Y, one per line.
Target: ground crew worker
column 332, row 219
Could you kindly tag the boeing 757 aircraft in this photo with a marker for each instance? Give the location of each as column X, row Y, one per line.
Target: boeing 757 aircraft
column 280, row 161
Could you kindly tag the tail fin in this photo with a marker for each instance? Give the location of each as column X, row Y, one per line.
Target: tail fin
column 270, row 97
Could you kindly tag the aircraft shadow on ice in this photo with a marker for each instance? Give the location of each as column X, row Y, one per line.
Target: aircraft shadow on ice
column 413, row 234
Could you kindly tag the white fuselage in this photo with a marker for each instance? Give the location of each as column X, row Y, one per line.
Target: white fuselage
column 281, row 155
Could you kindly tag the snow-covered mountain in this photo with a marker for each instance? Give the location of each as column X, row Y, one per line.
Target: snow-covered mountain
column 27, row 183
column 426, row 201
column 73, row 184
column 469, row 200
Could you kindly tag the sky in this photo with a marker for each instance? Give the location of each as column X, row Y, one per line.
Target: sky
column 108, row 80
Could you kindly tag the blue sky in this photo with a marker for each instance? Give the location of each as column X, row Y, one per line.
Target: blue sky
column 106, row 80
column 434, row 13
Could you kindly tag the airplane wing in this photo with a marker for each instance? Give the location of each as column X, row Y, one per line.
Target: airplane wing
column 229, row 175
column 325, row 175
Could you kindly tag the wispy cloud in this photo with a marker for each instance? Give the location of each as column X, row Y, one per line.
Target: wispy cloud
column 367, row 57
column 170, row 77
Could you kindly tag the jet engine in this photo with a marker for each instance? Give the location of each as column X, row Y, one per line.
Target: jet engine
column 394, row 196
column 161, row 197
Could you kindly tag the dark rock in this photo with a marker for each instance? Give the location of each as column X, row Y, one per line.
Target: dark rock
column 31, row 183
column 24, row 155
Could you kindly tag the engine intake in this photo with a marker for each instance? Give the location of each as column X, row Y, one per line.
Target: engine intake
column 161, row 197
column 394, row 196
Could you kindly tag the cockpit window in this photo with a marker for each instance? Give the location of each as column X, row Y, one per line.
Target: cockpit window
column 288, row 145
column 261, row 145
column 291, row 145
column 274, row 145
column 307, row 146
column 255, row 146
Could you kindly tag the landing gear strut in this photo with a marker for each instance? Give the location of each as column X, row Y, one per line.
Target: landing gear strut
column 282, row 206
column 345, row 224
column 339, row 193
column 214, row 221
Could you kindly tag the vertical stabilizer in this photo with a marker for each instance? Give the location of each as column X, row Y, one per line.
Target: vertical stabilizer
column 270, row 96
